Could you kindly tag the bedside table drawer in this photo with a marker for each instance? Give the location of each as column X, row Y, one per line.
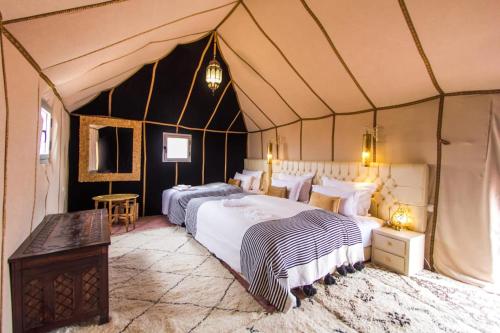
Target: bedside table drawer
column 390, row 245
column 389, row 260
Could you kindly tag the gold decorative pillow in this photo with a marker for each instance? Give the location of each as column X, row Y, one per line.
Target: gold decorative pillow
column 325, row 202
column 234, row 182
column 276, row 191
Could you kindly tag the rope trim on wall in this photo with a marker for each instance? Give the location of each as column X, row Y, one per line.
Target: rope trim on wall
column 249, row 118
column 33, row 63
column 286, row 59
column 438, row 178
column 337, row 53
column 205, row 33
column 144, row 170
column 5, row 169
column 139, row 67
column 195, row 74
column 205, row 131
column 255, row 104
column 418, row 44
column 225, row 145
column 228, row 15
column 151, row 86
column 260, row 75
column 333, row 138
column 395, row 106
column 63, row 11
column 141, row 33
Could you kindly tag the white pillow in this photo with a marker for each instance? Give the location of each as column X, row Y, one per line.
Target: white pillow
column 349, row 205
column 305, row 186
column 365, row 190
column 293, row 187
column 246, row 180
column 348, row 186
column 257, row 178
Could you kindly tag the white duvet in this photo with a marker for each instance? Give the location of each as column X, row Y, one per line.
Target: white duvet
column 221, row 229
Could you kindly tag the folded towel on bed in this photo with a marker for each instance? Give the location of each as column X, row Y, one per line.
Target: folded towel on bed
column 182, row 187
column 234, row 202
column 258, row 215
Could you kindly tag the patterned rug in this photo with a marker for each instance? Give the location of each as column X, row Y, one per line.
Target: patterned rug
column 162, row 280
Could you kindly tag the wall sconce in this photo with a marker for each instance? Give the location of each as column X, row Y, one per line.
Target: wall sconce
column 401, row 218
column 366, row 150
column 270, row 153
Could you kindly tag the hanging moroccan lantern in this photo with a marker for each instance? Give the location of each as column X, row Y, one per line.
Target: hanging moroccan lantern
column 214, row 71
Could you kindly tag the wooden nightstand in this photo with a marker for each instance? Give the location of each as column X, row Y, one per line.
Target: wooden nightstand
column 400, row 251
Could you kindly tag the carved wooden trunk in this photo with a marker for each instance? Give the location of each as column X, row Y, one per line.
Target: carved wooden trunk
column 59, row 274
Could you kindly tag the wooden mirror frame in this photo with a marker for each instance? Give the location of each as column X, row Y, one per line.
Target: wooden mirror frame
column 83, row 164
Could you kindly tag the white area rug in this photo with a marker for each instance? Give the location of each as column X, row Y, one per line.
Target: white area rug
column 162, row 280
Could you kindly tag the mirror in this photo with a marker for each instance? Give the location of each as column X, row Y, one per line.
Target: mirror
column 110, row 149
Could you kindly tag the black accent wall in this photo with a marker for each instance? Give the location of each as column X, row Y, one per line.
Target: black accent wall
column 173, row 78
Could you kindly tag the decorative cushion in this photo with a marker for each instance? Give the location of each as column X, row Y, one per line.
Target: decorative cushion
column 363, row 191
column 325, row 202
column 276, row 191
column 293, row 187
column 305, row 183
column 257, row 178
column 349, row 202
column 246, row 181
column 234, row 182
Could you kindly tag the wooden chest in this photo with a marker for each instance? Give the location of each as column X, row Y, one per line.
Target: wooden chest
column 59, row 274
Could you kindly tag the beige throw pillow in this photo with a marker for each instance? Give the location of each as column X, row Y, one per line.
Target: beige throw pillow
column 234, row 182
column 276, row 191
column 325, row 202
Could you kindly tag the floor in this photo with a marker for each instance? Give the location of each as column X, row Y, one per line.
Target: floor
column 162, row 280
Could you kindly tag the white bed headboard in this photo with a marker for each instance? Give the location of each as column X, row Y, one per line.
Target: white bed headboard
column 404, row 183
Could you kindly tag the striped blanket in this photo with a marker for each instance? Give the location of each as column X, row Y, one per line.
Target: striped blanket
column 175, row 202
column 269, row 249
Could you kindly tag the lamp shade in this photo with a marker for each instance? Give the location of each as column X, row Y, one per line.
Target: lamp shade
column 213, row 75
column 270, row 153
column 366, row 150
column 401, row 218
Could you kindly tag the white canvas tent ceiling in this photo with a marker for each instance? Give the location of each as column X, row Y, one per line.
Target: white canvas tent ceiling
column 289, row 60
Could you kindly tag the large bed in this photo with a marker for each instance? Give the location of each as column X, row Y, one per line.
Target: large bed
column 277, row 244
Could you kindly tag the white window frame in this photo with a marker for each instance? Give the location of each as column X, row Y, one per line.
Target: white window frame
column 166, row 136
column 45, row 157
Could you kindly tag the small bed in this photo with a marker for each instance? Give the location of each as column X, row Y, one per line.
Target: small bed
column 174, row 201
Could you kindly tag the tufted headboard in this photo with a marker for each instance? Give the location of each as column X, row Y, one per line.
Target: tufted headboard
column 404, row 183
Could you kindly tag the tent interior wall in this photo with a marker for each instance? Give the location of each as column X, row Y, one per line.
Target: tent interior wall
column 170, row 102
column 313, row 75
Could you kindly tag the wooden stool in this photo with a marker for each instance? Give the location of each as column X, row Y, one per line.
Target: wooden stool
column 126, row 211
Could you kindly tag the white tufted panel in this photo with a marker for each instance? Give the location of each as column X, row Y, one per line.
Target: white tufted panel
column 405, row 183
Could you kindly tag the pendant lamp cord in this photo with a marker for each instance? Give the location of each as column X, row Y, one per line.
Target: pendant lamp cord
column 215, row 43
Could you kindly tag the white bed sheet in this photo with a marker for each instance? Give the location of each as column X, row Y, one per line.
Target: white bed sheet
column 222, row 234
column 366, row 225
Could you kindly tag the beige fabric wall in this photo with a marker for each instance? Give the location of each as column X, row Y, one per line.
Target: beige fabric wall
column 408, row 135
column 254, row 145
column 32, row 189
column 468, row 219
column 317, row 139
column 290, row 142
column 465, row 246
column 348, row 134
